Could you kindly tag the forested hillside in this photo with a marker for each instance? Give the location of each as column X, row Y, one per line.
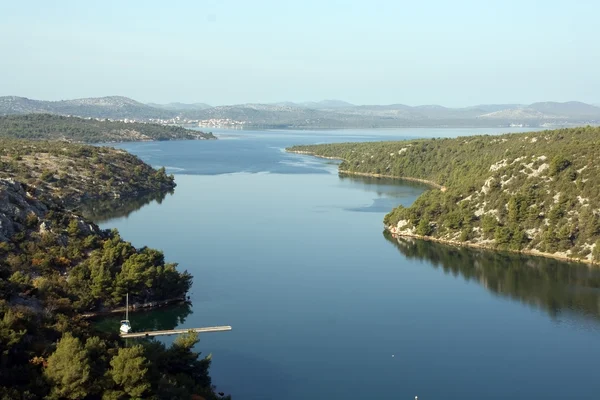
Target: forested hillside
column 56, row 266
column 536, row 192
column 73, row 129
column 76, row 172
column 82, row 267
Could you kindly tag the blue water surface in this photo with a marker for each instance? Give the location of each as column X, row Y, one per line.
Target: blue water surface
column 323, row 306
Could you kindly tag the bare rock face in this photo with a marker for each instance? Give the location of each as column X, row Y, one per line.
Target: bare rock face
column 18, row 207
column 86, row 227
column 16, row 204
column 44, row 228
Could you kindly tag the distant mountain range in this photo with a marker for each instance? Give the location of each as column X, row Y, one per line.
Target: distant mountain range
column 181, row 106
column 114, row 107
column 322, row 114
column 318, row 105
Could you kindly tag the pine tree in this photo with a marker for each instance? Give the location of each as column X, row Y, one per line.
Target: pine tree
column 129, row 371
column 69, row 369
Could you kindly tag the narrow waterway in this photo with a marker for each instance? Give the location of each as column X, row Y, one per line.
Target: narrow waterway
column 324, row 306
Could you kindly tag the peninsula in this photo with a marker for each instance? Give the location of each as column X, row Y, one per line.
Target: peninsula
column 56, row 266
column 536, row 193
column 91, row 130
column 73, row 173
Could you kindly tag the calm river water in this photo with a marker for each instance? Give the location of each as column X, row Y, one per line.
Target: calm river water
column 324, row 306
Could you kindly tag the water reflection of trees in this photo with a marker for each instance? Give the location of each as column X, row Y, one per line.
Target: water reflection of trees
column 164, row 318
column 369, row 181
column 552, row 285
column 103, row 210
column 386, row 186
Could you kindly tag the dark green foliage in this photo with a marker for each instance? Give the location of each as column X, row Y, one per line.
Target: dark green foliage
column 558, row 164
column 103, row 368
column 111, row 268
column 518, row 238
column 55, row 127
column 517, row 208
column 68, row 370
column 128, row 371
column 489, row 225
column 424, row 228
column 529, row 191
column 48, row 351
column 502, row 236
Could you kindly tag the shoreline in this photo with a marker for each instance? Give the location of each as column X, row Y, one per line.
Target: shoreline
column 74, row 201
column 370, row 174
column 438, row 240
column 150, row 140
column 135, row 307
column 455, row 243
column 425, row 181
column 308, row 153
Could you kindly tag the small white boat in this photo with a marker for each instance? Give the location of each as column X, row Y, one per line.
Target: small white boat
column 125, row 325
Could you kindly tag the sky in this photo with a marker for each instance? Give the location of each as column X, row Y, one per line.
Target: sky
column 454, row 53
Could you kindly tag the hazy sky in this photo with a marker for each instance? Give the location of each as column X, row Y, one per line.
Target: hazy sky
column 449, row 52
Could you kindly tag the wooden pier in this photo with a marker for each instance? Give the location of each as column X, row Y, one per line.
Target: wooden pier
column 175, row 332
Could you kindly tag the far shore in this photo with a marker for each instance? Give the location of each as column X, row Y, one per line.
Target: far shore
column 391, row 229
column 373, row 175
column 430, row 183
column 308, row 153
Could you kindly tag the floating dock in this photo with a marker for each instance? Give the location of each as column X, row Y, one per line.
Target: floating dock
column 175, row 332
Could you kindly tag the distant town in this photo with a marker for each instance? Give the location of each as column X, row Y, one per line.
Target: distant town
column 202, row 123
column 228, row 123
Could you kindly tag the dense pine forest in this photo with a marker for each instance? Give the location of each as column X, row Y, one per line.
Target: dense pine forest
column 537, row 192
column 74, row 129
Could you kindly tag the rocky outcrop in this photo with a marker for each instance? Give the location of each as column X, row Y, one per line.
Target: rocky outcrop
column 21, row 210
column 16, row 204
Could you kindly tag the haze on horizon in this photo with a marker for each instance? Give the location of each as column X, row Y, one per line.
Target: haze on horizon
column 455, row 54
